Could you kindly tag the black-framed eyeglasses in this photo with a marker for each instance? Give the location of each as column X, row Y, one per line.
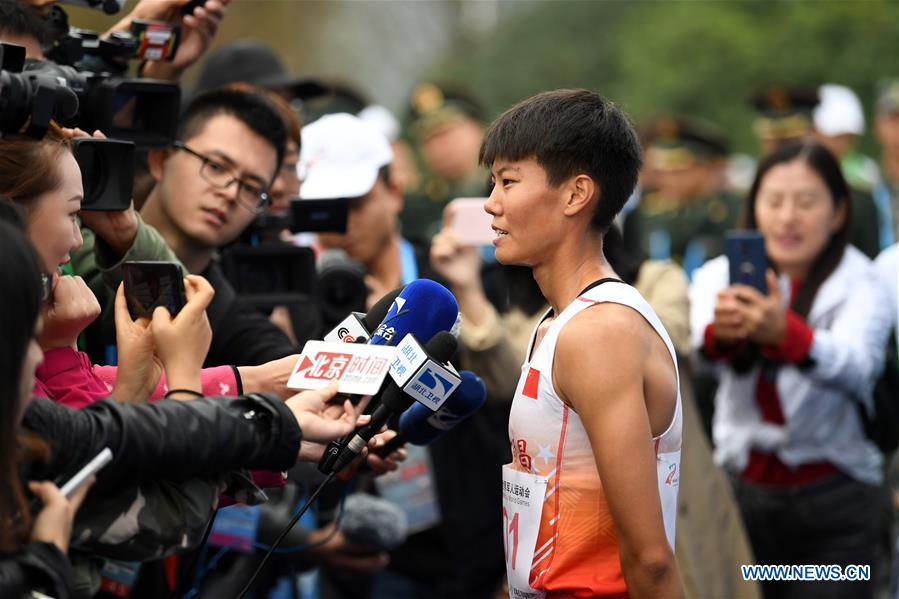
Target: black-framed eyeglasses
column 46, row 286
column 250, row 195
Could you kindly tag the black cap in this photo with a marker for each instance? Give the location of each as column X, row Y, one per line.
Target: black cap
column 251, row 61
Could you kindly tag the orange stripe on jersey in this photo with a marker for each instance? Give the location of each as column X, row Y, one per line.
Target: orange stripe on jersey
column 549, row 525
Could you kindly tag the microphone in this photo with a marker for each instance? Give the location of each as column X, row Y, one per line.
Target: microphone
column 420, row 426
column 416, row 374
column 357, row 327
column 373, row 523
column 422, row 308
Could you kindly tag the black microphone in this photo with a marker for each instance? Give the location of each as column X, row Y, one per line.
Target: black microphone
column 358, row 327
column 426, row 380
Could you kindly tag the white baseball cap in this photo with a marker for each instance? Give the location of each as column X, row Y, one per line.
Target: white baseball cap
column 839, row 111
column 383, row 119
column 340, row 157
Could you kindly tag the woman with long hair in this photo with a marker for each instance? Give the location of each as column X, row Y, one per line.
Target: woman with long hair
column 796, row 364
column 38, row 544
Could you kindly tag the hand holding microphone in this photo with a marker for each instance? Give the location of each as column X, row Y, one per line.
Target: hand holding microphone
column 318, row 420
column 418, row 375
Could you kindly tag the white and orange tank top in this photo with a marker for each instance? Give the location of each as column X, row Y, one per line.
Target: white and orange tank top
column 552, row 492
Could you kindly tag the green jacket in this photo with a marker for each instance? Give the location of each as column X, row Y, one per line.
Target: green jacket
column 100, row 268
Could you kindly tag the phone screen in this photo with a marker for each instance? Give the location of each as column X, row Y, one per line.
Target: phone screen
column 152, row 284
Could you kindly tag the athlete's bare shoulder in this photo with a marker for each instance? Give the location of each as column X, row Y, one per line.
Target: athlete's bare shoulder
column 610, row 350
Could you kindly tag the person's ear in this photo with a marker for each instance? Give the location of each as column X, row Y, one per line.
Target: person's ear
column 156, row 162
column 394, row 192
column 580, row 192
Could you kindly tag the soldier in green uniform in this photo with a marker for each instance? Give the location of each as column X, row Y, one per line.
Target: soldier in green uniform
column 447, row 127
column 785, row 114
column 886, row 124
column 684, row 214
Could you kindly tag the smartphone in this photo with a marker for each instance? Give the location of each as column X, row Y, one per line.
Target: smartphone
column 470, row 222
column 152, row 284
column 107, row 171
column 748, row 261
column 91, row 468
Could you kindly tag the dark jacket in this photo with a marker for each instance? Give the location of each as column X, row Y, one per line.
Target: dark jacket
column 168, row 439
column 241, row 334
column 37, row 567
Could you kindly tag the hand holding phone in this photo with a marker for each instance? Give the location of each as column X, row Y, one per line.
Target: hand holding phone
column 89, row 469
column 182, row 342
column 53, row 523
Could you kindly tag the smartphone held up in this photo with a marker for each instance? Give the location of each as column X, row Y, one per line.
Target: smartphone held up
column 149, row 285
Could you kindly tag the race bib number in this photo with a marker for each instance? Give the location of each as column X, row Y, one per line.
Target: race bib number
column 523, row 495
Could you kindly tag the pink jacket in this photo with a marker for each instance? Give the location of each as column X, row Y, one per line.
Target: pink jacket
column 67, row 377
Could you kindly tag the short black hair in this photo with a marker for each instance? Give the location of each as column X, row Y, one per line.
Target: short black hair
column 252, row 109
column 569, row 132
column 17, row 18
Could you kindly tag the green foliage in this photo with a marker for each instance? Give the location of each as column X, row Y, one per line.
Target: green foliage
column 700, row 57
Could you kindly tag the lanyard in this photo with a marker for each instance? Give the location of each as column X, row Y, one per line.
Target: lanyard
column 408, row 263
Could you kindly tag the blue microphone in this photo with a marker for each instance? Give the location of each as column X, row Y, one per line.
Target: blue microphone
column 421, row 426
column 423, row 308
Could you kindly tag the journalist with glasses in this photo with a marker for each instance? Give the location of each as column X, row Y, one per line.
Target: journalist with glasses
column 209, row 187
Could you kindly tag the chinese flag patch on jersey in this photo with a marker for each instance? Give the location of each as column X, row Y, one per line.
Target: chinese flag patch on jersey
column 532, row 384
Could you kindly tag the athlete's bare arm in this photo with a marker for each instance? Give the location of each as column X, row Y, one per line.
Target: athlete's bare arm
column 607, row 362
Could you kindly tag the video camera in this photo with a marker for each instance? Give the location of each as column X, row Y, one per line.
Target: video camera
column 30, row 100
column 84, row 48
column 267, row 272
column 34, row 92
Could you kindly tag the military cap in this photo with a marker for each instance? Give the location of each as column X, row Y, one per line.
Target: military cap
column 888, row 97
column 677, row 141
column 431, row 105
column 784, row 111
